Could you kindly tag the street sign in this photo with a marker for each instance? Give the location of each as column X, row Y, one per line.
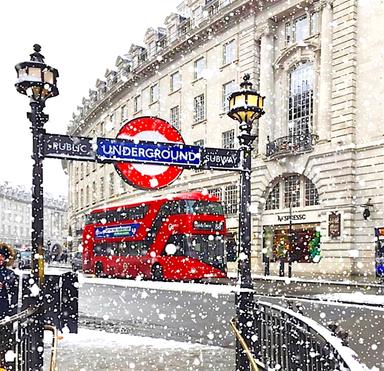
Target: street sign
column 64, row 146
column 220, row 159
column 148, row 176
column 147, row 152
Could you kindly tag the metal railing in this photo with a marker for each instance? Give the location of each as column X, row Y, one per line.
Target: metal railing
column 291, row 144
column 288, row 341
column 16, row 340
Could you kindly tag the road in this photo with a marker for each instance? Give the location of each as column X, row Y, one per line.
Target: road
column 203, row 317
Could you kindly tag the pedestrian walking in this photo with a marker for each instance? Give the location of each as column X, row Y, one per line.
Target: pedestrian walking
column 8, row 298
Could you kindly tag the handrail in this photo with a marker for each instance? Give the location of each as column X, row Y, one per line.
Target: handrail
column 292, row 330
column 244, row 345
column 53, row 361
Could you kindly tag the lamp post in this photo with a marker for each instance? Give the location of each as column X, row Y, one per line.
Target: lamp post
column 245, row 106
column 37, row 81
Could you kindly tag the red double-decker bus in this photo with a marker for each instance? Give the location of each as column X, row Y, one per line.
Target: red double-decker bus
column 176, row 237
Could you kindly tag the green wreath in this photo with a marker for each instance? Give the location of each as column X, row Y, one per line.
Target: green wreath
column 314, row 248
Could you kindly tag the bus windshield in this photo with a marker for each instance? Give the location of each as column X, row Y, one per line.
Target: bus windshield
column 207, row 248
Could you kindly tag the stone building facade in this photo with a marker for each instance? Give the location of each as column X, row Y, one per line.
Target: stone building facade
column 318, row 159
column 16, row 217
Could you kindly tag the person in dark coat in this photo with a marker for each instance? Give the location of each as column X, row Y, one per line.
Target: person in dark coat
column 8, row 298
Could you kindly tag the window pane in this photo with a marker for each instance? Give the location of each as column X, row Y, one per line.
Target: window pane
column 292, row 191
column 301, row 28
column 199, row 68
column 273, row 200
column 300, row 102
column 229, row 52
column 175, row 117
column 231, row 199
column 199, row 108
column 228, row 89
column 228, row 139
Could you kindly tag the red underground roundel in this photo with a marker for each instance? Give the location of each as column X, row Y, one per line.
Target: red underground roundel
column 145, row 176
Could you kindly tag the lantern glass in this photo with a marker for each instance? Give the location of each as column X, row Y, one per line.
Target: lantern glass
column 34, row 74
column 48, row 77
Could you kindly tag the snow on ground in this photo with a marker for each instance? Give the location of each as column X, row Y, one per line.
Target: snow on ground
column 355, row 297
column 98, row 350
column 318, row 280
column 214, row 290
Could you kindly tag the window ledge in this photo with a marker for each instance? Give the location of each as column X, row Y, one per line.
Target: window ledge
column 174, row 91
column 199, row 122
column 225, row 65
column 154, row 102
column 197, row 80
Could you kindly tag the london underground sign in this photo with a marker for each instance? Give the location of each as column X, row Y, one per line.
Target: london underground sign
column 148, row 152
column 149, row 176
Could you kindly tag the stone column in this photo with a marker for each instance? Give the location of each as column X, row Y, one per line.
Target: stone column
column 267, row 83
column 323, row 129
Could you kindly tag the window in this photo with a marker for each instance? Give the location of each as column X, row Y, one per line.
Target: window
column 111, row 184
column 172, row 33
column 137, row 103
column 228, row 139
column 101, row 187
column 199, row 68
column 311, row 194
column 124, row 112
column 300, row 28
column 175, row 117
column 229, row 52
column 82, row 197
column 94, row 194
column 111, row 122
column 122, row 185
column 228, row 89
column 215, row 192
column 230, row 199
column 198, row 108
column 292, row 191
column 273, row 199
column 87, row 195
column 300, row 101
column 154, row 93
column 295, row 190
column 175, row 82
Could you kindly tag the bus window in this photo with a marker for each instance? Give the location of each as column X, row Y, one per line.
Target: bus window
column 132, row 248
column 209, row 249
column 176, row 245
column 204, row 207
column 105, row 249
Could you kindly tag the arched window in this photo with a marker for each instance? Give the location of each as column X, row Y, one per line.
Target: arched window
column 292, row 191
column 300, row 100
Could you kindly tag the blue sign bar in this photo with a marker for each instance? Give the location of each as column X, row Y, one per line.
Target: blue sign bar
column 147, row 152
column 122, row 230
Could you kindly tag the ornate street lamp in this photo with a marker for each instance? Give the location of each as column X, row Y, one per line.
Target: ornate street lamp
column 37, row 81
column 245, row 106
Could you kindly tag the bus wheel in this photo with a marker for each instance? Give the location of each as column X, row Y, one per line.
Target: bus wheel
column 157, row 273
column 98, row 269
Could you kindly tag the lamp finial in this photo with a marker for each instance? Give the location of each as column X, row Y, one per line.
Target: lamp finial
column 246, row 84
column 37, row 56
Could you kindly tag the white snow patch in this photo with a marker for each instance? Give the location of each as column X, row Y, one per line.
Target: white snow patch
column 94, row 339
column 355, row 297
column 213, row 290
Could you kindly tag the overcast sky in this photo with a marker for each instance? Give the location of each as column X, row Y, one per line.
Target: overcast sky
column 79, row 38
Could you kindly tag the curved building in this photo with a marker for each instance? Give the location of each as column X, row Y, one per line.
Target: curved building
column 318, row 158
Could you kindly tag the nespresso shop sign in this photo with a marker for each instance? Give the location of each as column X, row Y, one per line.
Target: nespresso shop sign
column 284, row 218
column 295, row 218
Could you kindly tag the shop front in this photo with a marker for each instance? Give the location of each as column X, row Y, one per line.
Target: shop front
column 291, row 237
